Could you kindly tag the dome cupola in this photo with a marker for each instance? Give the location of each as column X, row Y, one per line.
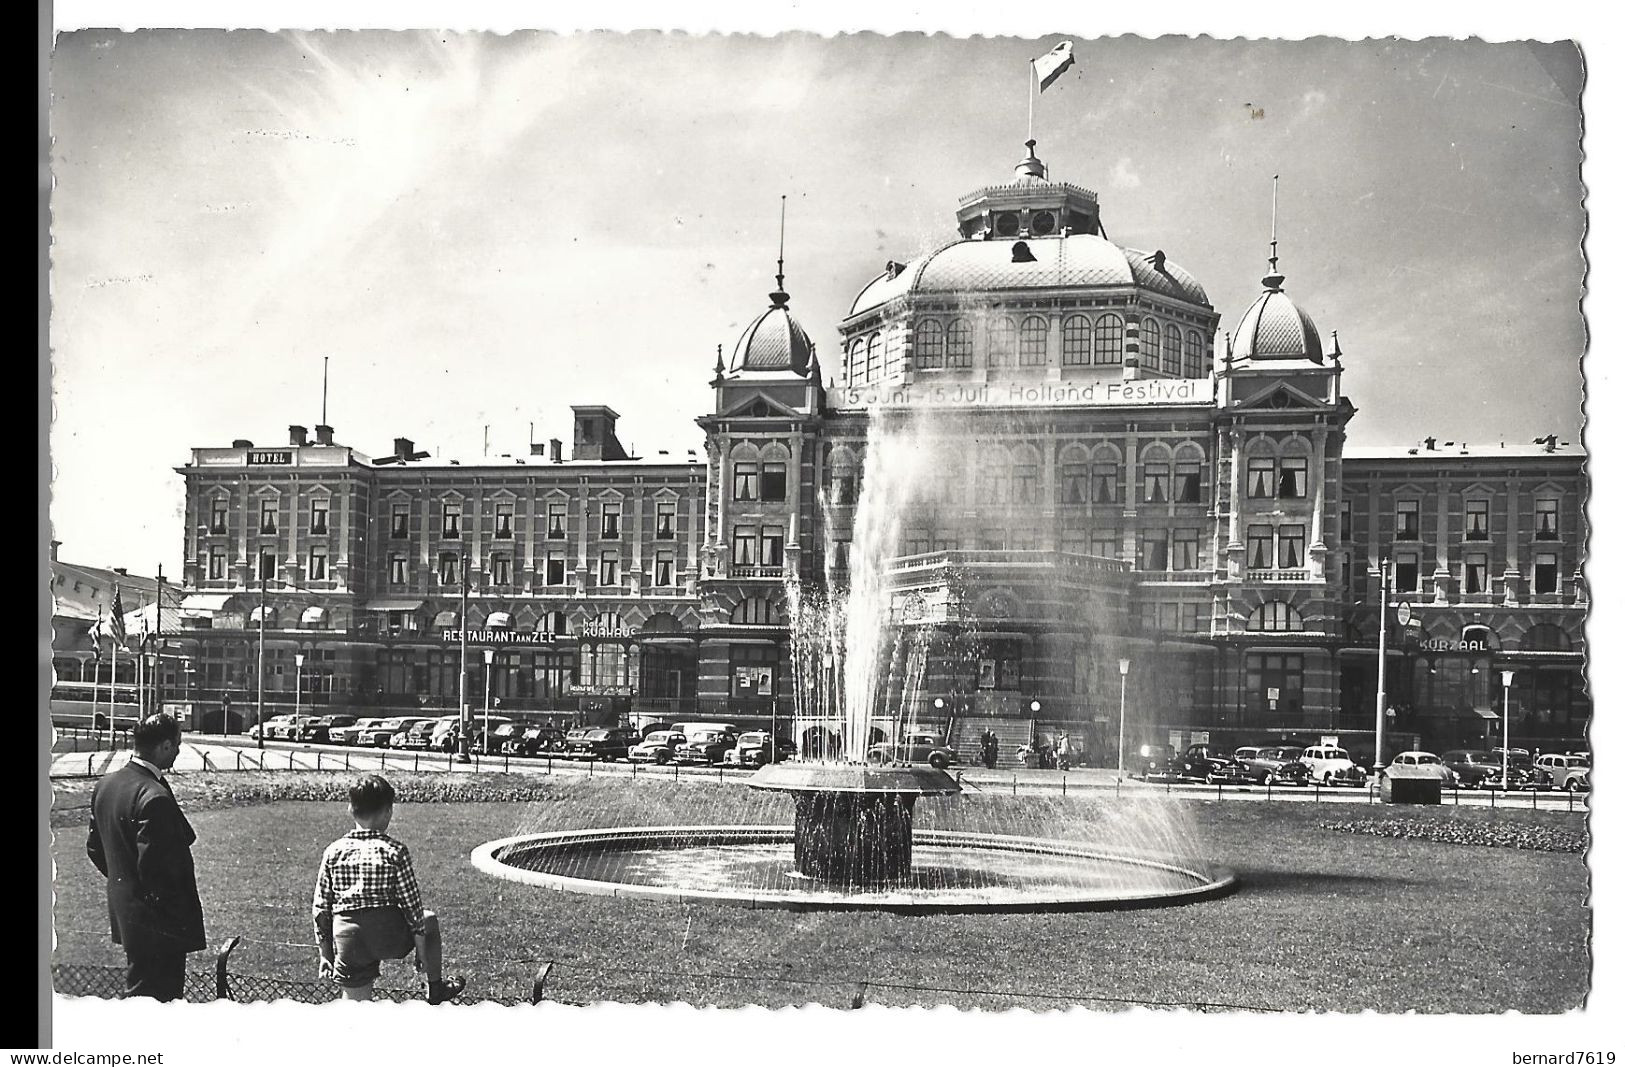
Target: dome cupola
column 1276, row 328
column 774, row 341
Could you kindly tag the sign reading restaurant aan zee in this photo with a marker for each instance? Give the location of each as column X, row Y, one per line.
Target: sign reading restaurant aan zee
column 1115, row 393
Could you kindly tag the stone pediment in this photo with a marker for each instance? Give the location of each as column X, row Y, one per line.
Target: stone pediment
column 1281, row 397
column 760, row 406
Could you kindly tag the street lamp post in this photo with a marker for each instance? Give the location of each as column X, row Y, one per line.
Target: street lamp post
column 490, row 654
column 1382, row 667
column 259, row 690
column 462, row 662
column 1506, row 728
column 298, row 679
column 1122, row 713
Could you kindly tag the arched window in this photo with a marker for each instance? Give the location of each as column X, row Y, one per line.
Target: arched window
column 1150, row 342
column 1275, row 616
column 753, row 611
column 1546, row 637
column 1034, row 341
column 1193, row 354
column 855, row 365
column 1001, row 342
column 1109, row 339
column 1170, row 351
column 871, row 358
column 1075, row 332
column 928, row 345
column 959, row 344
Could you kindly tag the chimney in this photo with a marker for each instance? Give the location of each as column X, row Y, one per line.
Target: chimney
column 555, row 450
column 538, row 448
column 324, row 435
column 1430, row 442
column 296, row 436
column 54, row 546
column 403, row 448
column 595, row 433
column 242, row 442
column 122, row 570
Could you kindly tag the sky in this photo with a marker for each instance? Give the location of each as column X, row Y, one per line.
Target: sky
column 477, row 231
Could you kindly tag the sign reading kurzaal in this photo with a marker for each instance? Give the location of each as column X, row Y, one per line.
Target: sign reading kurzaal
column 1027, row 394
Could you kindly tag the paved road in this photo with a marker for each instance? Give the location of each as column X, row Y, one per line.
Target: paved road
column 203, row 752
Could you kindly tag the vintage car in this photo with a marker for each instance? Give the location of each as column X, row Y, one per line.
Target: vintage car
column 346, row 735
column 378, row 736
column 415, row 736
column 753, row 750
column 1475, row 768
column 1154, row 761
column 535, row 740
column 1207, row 764
column 1521, row 767
column 286, row 729
column 1330, row 765
column 704, row 746
column 1570, row 771
column 607, row 743
column 915, row 748
column 493, row 741
column 268, row 727
column 318, row 730
column 1418, row 764
column 657, row 747
column 1272, row 764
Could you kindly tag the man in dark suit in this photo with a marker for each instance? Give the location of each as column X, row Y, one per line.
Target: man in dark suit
column 143, row 844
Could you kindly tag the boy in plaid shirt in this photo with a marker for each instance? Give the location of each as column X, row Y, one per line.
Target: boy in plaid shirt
column 367, row 906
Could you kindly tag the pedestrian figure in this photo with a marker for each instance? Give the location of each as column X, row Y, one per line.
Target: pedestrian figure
column 142, row 843
column 990, row 748
column 368, row 907
column 1063, row 751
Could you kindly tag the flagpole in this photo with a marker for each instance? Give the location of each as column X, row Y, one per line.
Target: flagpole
column 112, row 698
column 1032, row 78
column 157, row 643
column 140, row 666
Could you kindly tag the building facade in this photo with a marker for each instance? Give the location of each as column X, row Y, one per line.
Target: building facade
column 1086, row 503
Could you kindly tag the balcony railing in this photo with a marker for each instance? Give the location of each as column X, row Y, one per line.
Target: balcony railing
column 1193, row 577
column 755, row 570
column 1274, row 575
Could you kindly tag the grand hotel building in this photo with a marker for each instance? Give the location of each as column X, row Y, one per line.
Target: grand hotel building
column 1112, row 479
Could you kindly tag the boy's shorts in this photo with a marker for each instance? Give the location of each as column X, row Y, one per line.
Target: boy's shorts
column 362, row 938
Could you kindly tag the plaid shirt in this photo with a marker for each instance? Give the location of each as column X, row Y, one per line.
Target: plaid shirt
column 366, row 869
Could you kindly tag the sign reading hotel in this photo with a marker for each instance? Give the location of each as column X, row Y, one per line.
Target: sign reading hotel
column 499, row 637
column 1116, row 393
column 275, row 458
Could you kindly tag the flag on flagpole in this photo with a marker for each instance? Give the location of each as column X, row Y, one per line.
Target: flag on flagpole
column 1052, row 64
column 116, row 623
column 98, row 632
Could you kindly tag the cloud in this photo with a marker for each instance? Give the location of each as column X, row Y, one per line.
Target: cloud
column 1124, row 175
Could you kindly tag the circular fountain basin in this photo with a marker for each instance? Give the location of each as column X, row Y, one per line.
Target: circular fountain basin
column 895, row 779
column 753, row 866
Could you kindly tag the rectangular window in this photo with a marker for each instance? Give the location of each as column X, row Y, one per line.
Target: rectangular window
column 1026, row 483
column 991, row 487
column 610, row 526
column 1156, row 483
column 773, row 481
column 1345, row 522
column 268, row 516
column 1291, row 552
column 745, row 481
column 504, row 529
column 665, row 568
column 666, row 521
column 217, row 516
column 1188, row 482
column 318, row 563
column 451, row 521
column 1190, row 618
column 1261, row 547
column 1104, row 478
column 555, row 569
column 916, row 540
column 448, row 568
column 1545, row 520
column 501, row 570
column 1407, row 572
column 397, row 569
column 1074, row 483
column 318, row 516
column 772, row 546
column 1154, row 551
column 944, row 543
column 1475, row 574
column 217, row 563
column 1260, row 478
column 744, row 553
column 1545, row 572
column 1103, row 543
column 400, row 521
column 1186, row 549
column 1407, row 520
column 1478, row 520
column 842, row 489
column 1294, row 477
column 609, row 569
column 267, row 571
column 1274, row 684
column 556, row 521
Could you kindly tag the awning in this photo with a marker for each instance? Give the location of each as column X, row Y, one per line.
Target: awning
column 1487, row 713
column 204, row 601
column 444, row 619
column 499, row 620
column 392, row 605
column 313, row 616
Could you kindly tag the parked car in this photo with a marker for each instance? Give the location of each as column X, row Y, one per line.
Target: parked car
column 1570, row 771
column 1154, row 761
column 704, row 746
column 1330, row 765
column 536, row 740
column 1272, row 764
column 1473, row 768
column 268, row 727
column 1418, row 764
column 287, row 728
column 494, row 741
column 1521, row 766
column 607, row 743
column 1206, row 763
column 319, row 730
column 915, row 748
column 657, row 747
column 379, row 736
column 415, row 736
column 346, row 735
column 753, row 750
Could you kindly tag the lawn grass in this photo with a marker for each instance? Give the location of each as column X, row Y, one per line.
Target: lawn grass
column 1324, row 920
